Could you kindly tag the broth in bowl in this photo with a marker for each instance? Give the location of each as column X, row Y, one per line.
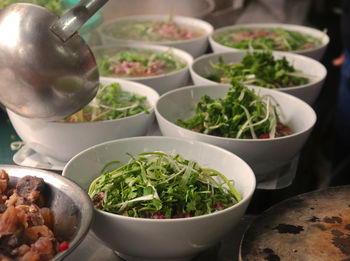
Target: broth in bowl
column 152, row 31
column 139, row 63
column 278, row 39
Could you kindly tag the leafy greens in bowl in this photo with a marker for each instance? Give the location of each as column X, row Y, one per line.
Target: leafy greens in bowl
column 62, row 140
column 298, row 75
column 186, row 33
column 162, row 185
column 240, row 114
column 260, row 69
column 110, row 103
column 170, row 238
column 270, row 36
column 232, row 119
column 148, row 64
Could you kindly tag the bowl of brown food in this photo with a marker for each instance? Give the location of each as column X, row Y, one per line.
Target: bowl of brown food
column 43, row 216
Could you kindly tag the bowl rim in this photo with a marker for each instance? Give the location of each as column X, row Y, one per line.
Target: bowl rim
column 295, row 56
column 230, row 140
column 123, row 81
column 207, row 27
column 178, row 53
column 246, row 199
column 292, row 27
column 88, row 208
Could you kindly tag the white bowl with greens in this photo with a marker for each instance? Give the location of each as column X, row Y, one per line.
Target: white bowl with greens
column 186, row 33
column 160, row 67
column 105, row 118
column 163, row 184
column 266, row 129
column 298, row 39
column 298, row 75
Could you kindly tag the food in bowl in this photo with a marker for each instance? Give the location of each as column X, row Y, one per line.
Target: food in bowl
column 277, row 38
column 152, row 30
column 241, row 114
column 139, row 63
column 26, row 225
column 162, row 185
column 260, row 69
column 110, row 103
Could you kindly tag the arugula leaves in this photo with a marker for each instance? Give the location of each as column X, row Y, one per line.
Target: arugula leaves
column 240, row 114
column 259, row 68
column 161, row 185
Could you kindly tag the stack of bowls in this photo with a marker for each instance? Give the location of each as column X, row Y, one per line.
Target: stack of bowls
column 87, row 147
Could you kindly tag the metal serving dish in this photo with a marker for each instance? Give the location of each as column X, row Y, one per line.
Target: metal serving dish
column 72, row 208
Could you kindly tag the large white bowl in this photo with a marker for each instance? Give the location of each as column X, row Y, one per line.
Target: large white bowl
column 195, row 46
column 316, row 53
column 62, row 140
column 309, row 92
column 264, row 155
column 161, row 83
column 163, row 239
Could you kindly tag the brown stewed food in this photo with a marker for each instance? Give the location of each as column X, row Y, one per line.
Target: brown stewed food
column 26, row 225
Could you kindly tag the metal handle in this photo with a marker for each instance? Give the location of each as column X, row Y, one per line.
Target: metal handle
column 71, row 21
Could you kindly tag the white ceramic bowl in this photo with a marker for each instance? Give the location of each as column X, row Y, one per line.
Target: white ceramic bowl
column 264, row 155
column 314, row 70
column 316, row 53
column 62, row 140
column 195, row 46
column 70, row 205
column 161, row 83
column 163, row 239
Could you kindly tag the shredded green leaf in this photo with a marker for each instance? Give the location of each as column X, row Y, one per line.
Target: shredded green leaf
column 241, row 114
column 111, row 103
column 160, row 185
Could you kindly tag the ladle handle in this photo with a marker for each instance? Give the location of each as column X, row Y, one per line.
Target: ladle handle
column 71, row 21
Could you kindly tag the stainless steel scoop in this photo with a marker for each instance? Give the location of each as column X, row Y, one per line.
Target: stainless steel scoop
column 47, row 70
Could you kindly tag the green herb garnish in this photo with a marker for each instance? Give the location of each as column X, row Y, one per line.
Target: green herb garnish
column 267, row 39
column 139, row 63
column 55, row 6
column 240, row 114
column 160, row 185
column 110, row 103
column 261, row 69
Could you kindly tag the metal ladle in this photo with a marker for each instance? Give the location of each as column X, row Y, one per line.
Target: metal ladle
column 47, row 70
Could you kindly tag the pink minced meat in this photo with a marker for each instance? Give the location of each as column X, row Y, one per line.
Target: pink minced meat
column 136, row 69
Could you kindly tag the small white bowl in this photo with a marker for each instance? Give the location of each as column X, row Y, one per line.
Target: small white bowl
column 264, row 155
column 144, row 239
column 309, row 92
column 316, row 53
column 62, row 140
column 195, row 46
column 161, row 83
